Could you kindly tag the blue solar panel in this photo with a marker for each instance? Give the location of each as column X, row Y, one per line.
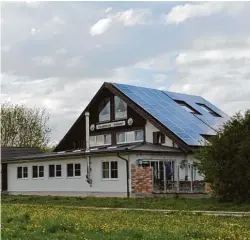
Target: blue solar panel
column 213, row 121
column 161, row 105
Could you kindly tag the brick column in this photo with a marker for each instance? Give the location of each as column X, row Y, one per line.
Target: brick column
column 141, row 179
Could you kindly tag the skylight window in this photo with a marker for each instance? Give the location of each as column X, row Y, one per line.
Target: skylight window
column 209, row 110
column 187, row 107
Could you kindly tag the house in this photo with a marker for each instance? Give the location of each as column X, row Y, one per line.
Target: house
column 129, row 141
column 7, row 153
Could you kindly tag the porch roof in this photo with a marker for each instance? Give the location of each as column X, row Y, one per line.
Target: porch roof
column 125, row 148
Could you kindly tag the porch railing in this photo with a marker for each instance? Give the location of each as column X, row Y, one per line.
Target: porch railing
column 181, row 186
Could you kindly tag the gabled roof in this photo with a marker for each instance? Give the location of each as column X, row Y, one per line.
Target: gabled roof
column 161, row 108
column 124, row 148
column 8, row 153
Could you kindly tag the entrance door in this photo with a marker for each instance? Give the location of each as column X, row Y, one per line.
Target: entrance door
column 158, row 175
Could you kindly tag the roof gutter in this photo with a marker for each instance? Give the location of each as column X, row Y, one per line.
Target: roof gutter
column 127, row 171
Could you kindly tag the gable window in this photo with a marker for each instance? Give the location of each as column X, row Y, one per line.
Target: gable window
column 158, row 138
column 109, row 169
column 100, row 140
column 37, row 171
column 187, row 107
column 104, row 110
column 120, row 108
column 55, row 171
column 207, row 109
column 73, row 170
column 127, row 137
column 22, row 172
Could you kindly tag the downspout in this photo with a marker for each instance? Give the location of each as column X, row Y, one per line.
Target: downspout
column 127, row 171
column 88, row 179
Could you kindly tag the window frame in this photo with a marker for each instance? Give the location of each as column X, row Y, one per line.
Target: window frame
column 38, row 172
column 74, row 170
column 208, row 110
column 104, row 144
column 134, row 131
column 110, row 170
column 55, row 170
column 99, row 112
column 187, row 107
column 22, row 172
column 115, row 102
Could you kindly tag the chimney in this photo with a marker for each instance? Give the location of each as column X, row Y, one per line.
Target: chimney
column 87, row 131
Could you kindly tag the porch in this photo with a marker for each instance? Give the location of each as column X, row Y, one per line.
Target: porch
column 174, row 176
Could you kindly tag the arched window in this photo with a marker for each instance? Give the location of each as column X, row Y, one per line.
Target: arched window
column 120, row 108
column 104, row 110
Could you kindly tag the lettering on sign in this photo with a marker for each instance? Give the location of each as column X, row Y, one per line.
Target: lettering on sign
column 110, row 125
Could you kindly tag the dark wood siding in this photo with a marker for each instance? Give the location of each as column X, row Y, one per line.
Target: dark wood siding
column 76, row 137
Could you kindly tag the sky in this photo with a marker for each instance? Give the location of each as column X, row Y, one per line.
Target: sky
column 56, row 55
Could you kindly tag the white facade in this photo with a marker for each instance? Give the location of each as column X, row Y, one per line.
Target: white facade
column 69, row 185
column 149, row 129
column 77, row 186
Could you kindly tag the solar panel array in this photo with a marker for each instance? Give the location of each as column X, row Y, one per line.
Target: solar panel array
column 213, row 121
column 161, row 106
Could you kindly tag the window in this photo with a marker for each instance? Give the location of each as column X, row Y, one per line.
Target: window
column 37, row 171
column 158, row 138
column 22, row 172
column 120, row 108
column 100, row 140
column 58, row 170
column 55, row 171
column 187, row 107
column 126, row 137
column 73, row 170
column 110, row 169
column 207, row 109
column 104, row 110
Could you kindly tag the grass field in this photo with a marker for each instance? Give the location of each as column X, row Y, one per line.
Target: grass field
column 43, row 222
column 151, row 203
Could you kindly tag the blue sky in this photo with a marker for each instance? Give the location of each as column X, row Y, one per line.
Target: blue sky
column 57, row 54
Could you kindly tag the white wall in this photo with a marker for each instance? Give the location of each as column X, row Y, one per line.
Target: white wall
column 78, row 185
column 149, row 129
column 65, row 184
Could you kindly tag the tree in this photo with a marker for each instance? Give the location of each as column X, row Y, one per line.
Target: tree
column 24, row 127
column 225, row 162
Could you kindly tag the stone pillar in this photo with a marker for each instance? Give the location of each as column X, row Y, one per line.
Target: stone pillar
column 141, row 179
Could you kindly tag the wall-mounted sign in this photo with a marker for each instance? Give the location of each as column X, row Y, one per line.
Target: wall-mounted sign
column 110, row 125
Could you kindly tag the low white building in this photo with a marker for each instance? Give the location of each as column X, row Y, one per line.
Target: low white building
column 128, row 141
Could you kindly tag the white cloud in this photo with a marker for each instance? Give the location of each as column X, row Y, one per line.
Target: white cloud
column 133, row 17
column 101, row 26
column 74, row 61
column 220, row 74
column 129, row 17
column 181, row 13
column 57, row 20
column 217, row 55
column 6, row 48
column 32, row 3
column 34, row 31
column 61, row 51
column 160, row 78
column 109, row 9
column 44, row 60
